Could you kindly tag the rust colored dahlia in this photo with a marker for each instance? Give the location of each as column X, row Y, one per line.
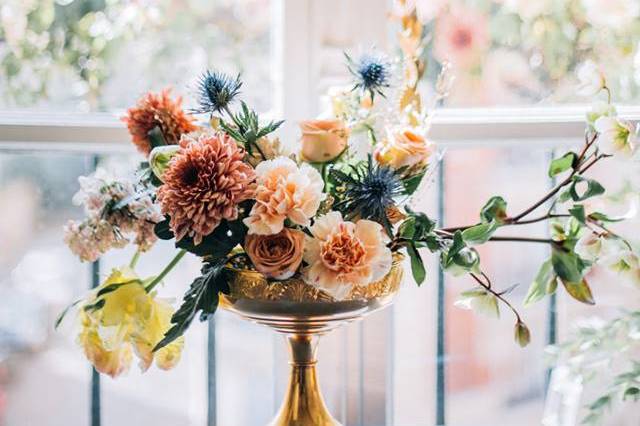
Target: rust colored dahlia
column 205, row 182
column 157, row 110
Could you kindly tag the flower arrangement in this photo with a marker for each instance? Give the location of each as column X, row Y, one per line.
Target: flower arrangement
column 333, row 212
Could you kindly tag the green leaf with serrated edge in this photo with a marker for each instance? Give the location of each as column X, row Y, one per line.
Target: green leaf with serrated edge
column 593, row 189
column 562, row 164
column 202, row 297
column 64, row 313
column 522, row 334
column 577, row 211
column 479, row 234
column 567, row 265
column 417, row 265
column 538, row 288
column 494, row 210
column 579, row 291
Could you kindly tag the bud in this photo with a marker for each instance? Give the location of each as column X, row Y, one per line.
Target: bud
column 522, row 334
column 160, row 157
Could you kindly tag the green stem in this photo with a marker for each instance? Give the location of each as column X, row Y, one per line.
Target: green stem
column 134, row 259
column 166, row 270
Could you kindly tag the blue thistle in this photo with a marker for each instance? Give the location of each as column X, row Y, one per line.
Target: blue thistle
column 216, row 91
column 367, row 191
column 372, row 72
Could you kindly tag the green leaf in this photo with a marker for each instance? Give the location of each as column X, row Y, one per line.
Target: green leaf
column 202, row 297
column 522, row 334
column 95, row 306
column 64, row 313
column 423, row 224
column 540, row 285
column 417, row 265
column 494, row 210
column 567, row 265
column 580, row 291
column 577, row 211
column 562, row 164
column 479, row 234
column 632, row 392
column 601, row 402
column 459, row 258
column 412, row 183
column 593, row 188
column 218, row 244
column 604, row 218
column 479, row 300
column 113, row 287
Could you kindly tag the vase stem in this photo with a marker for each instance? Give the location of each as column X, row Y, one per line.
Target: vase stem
column 303, row 404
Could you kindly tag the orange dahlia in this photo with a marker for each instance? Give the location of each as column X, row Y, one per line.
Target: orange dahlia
column 157, row 110
column 205, row 182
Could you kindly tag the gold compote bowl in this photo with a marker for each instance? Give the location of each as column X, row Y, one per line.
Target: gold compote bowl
column 304, row 313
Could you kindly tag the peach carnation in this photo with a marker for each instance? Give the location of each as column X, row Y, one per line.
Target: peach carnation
column 157, row 110
column 343, row 254
column 206, row 180
column 284, row 191
column 276, row 256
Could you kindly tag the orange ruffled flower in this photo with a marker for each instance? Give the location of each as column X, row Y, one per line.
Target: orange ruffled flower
column 157, row 110
column 284, row 191
column 344, row 254
column 206, row 180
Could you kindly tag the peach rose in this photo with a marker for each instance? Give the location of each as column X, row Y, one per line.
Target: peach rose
column 343, row 254
column 284, row 191
column 323, row 140
column 276, row 256
column 404, row 147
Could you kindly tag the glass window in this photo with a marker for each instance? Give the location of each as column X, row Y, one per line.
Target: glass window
column 522, row 52
column 95, row 55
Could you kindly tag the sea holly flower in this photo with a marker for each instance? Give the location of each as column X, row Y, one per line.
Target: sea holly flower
column 216, row 91
column 372, row 72
column 284, row 191
column 343, row 254
column 591, row 79
column 617, row 136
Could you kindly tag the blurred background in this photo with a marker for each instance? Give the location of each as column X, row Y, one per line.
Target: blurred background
column 69, row 68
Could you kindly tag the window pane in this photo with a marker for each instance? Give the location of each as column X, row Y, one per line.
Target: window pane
column 86, row 55
column 38, row 278
column 508, row 52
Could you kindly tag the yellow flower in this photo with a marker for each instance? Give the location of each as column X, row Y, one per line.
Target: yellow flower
column 111, row 362
column 323, row 140
column 119, row 318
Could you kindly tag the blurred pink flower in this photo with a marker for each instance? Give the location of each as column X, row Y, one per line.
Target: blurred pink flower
column 461, row 37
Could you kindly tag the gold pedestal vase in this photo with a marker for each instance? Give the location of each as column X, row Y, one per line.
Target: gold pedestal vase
column 304, row 313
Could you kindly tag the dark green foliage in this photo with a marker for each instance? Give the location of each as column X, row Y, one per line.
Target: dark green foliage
column 202, row 297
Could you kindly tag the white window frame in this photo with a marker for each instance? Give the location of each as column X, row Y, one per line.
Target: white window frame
column 297, row 45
